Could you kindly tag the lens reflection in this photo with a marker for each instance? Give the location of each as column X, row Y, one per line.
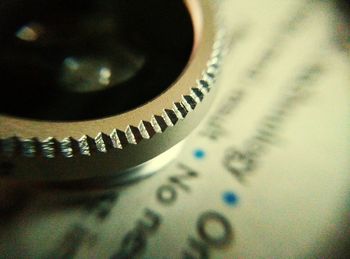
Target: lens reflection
column 89, row 59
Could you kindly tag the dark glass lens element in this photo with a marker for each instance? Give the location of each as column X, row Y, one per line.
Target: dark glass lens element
column 87, row 59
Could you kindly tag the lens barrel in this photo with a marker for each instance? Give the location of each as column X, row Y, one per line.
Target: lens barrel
column 97, row 88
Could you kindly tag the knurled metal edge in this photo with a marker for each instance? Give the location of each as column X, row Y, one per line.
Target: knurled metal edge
column 132, row 135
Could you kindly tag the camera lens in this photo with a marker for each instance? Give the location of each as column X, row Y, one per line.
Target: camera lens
column 102, row 88
column 89, row 59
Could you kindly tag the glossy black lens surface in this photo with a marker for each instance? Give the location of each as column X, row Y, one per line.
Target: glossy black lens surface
column 88, row 59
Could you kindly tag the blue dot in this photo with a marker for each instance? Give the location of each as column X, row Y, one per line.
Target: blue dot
column 199, row 154
column 230, row 198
